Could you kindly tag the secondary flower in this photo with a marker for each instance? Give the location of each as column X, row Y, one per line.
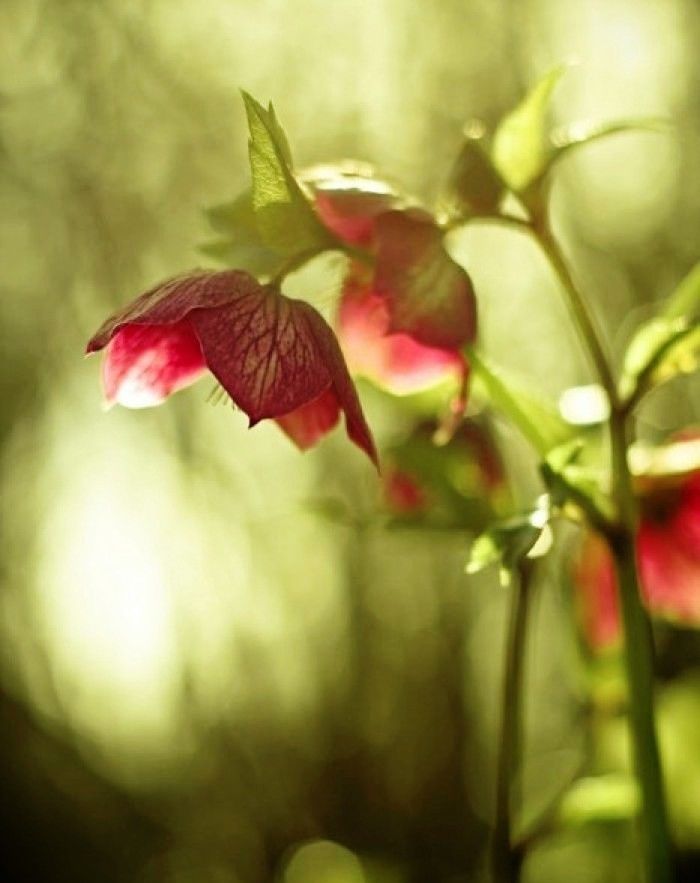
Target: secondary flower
column 668, row 560
column 381, row 327
column 397, row 362
column 276, row 357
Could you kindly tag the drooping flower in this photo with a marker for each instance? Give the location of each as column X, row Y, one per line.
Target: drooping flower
column 380, row 331
column 668, row 560
column 276, row 357
column 397, row 362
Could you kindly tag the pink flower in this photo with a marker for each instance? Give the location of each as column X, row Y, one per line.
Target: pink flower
column 276, row 357
column 361, row 211
column 397, row 362
column 668, row 560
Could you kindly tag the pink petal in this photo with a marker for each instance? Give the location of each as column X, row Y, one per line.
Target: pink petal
column 396, row 362
column 144, row 364
column 312, row 421
column 670, row 570
column 596, row 585
column 403, row 493
column 349, row 199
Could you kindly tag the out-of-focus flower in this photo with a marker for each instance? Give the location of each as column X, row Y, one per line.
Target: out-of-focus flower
column 457, row 484
column 362, row 211
column 275, row 357
column 668, row 560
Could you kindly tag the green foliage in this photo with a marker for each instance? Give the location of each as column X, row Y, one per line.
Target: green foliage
column 609, row 798
column 509, row 541
column 286, row 220
column 535, row 418
column 521, row 147
column 242, row 244
column 473, row 186
column 568, row 138
column 667, row 345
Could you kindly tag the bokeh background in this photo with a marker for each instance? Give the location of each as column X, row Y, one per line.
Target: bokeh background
column 207, row 673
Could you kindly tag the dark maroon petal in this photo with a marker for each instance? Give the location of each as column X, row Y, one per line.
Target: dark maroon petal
column 312, row 421
column 429, row 296
column 170, row 301
column 273, row 354
column 144, row 364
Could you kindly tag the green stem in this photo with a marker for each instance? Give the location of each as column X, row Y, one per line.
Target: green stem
column 506, row 856
column 639, row 650
column 639, row 661
column 579, row 310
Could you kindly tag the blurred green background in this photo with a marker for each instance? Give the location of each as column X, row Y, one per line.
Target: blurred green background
column 204, row 676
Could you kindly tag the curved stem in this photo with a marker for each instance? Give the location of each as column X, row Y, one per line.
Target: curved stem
column 579, row 309
column 506, row 856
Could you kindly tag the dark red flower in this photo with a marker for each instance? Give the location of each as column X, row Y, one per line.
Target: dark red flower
column 668, row 560
column 276, row 357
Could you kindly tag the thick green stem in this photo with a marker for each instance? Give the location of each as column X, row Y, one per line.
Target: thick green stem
column 639, row 656
column 639, row 650
column 506, row 855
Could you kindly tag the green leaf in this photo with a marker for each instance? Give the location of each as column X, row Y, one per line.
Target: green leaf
column 286, row 220
column 509, row 541
column 429, row 296
column 242, row 245
column 568, row 138
column 569, row 480
column 521, row 146
column 609, row 798
column 685, row 300
column 535, row 418
column 473, row 186
column 666, row 345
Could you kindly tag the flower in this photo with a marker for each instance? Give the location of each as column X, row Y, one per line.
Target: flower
column 355, row 207
column 396, row 362
column 276, row 357
column 668, row 560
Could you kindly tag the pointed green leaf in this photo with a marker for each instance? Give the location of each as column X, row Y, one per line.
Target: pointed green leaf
column 685, row 300
column 241, row 244
column 429, row 296
column 666, row 345
column 535, row 418
column 521, row 146
column 286, row 219
column 508, row 541
column 567, row 138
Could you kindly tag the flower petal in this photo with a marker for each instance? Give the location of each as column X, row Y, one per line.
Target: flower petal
column 144, row 364
column 396, row 362
column 273, row 354
column 172, row 300
column 429, row 296
column 309, row 423
column 348, row 198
